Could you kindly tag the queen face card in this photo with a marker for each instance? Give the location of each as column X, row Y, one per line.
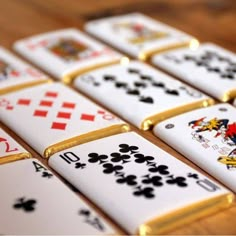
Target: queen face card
column 16, row 74
column 52, row 117
column 139, row 93
column 210, row 68
column 10, row 150
column 138, row 35
column 35, row 202
column 207, row 137
column 143, row 188
column 67, row 52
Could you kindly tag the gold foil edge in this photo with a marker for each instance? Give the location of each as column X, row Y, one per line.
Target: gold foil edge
column 149, row 122
column 15, row 157
column 185, row 215
column 70, row 77
column 23, row 86
column 146, row 55
column 84, row 138
column 231, row 94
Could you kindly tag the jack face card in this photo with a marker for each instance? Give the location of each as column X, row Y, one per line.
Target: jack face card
column 139, row 93
column 209, row 68
column 208, row 138
column 16, row 74
column 51, row 117
column 147, row 186
column 10, row 150
column 64, row 53
column 35, row 206
column 138, row 35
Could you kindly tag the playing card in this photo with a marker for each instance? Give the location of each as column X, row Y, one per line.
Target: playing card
column 149, row 191
column 16, row 74
column 10, row 150
column 207, row 137
column 139, row 93
column 52, row 117
column 234, row 102
column 64, row 53
column 138, row 35
column 209, row 68
column 35, row 202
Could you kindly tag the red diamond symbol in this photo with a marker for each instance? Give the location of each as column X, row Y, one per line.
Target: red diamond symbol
column 25, row 102
column 101, row 112
column 51, row 94
column 40, row 113
column 87, row 117
column 46, row 103
column 68, row 105
column 65, row 115
column 57, row 125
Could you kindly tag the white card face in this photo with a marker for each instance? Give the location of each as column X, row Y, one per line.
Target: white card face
column 142, row 178
column 210, row 68
column 136, row 91
column 52, row 113
column 136, row 33
column 234, row 102
column 41, row 204
column 209, row 139
column 10, row 149
column 15, row 72
column 64, row 51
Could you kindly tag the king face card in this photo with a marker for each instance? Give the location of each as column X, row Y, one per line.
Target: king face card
column 10, row 150
column 43, row 205
column 207, row 137
column 139, row 93
column 148, row 188
column 138, row 35
column 64, row 53
column 16, row 74
column 210, row 68
column 51, row 117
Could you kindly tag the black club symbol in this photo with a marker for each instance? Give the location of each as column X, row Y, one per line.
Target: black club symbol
column 146, row 192
column 79, row 165
column 129, row 179
column 140, row 158
column 194, row 176
column 155, row 180
column 94, row 157
column 127, row 148
column 110, row 168
column 84, row 212
column 117, row 157
column 26, row 205
column 180, row 181
column 46, row 174
column 162, row 169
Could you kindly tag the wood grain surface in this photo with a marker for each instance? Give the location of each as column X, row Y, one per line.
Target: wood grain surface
column 208, row 20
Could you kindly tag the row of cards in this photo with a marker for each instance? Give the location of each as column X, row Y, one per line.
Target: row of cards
column 56, row 121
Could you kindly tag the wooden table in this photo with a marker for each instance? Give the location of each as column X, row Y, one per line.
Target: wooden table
column 208, row 20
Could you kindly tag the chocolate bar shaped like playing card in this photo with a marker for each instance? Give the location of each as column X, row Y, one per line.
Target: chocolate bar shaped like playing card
column 210, row 68
column 144, row 189
column 139, row 93
column 35, row 202
column 16, row 74
column 138, row 35
column 52, row 117
column 10, row 150
column 66, row 53
column 207, row 137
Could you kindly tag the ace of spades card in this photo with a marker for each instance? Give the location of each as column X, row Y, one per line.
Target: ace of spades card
column 37, row 205
column 10, row 150
column 208, row 138
column 139, row 93
column 16, row 74
column 53, row 116
column 137, row 34
column 145, row 183
column 210, row 68
column 64, row 53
